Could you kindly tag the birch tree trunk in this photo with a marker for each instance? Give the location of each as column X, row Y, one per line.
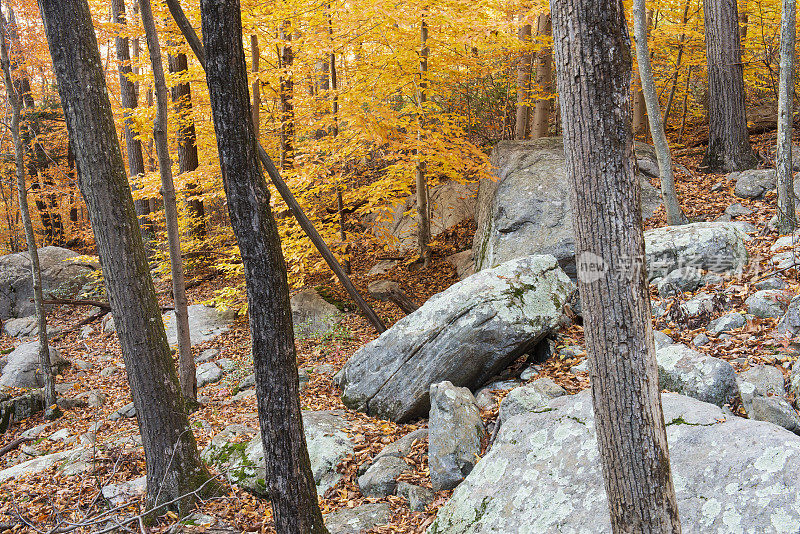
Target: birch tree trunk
column 423, row 213
column 289, row 480
column 523, row 85
column 669, row 196
column 593, row 67
column 544, row 80
column 15, row 102
column 185, row 360
column 173, row 464
column 787, row 219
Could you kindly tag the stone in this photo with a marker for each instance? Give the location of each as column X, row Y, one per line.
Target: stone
column 402, row 447
column 455, row 431
column 710, row 246
column 700, row 340
column 776, row 411
column 467, row 334
column 358, row 519
column 753, row 183
column 759, row 381
column 22, row 327
column 312, row 315
column 239, row 452
column 77, row 457
column 23, row 406
column 790, row 322
column 768, row 303
column 86, row 332
column 59, row 435
column 380, row 479
column 463, row 263
column 82, row 365
column 572, row 351
column 206, row 356
column 727, row 323
column 125, row 492
column 773, row 282
column 530, row 397
column 63, row 271
column 582, row 367
column 786, row 241
column 711, row 279
column 93, row 398
column 226, row 364
column 418, row 497
column 661, row 339
column 207, row 373
column 247, row 382
column 205, row 323
column 784, row 260
column 129, row 410
column 110, row 370
column 543, row 474
column 450, row 204
column 485, row 397
column 686, row 371
column 737, row 210
column 528, row 373
column 382, row 267
column 109, row 327
column 701, row 304
column 22, row 367
column 527, row 210
column 679, row 281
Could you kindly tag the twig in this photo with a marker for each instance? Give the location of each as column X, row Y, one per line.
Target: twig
column 13, row 445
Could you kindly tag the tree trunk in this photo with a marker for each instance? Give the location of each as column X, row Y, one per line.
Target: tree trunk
column 787, row 219
column 728, row 141
column 186, row 367
column 641, row 127
column 669, row 196
column 173, row 464
column 591, row 44
column 544, row 80
column 524, row 65
column 286, row 97
column 423, row 213
column 255, row 57
column 678, row 60
column 289, row 479
column 15, row 103
column 187, row 141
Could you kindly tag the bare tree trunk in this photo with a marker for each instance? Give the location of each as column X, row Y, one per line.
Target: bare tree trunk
column 185, row 360
column 544, row 79
column 678, row 61
column 787, row 219
column 255, row 56
column 641, row 125
column 423, row 213
column 334, row 86
column 289, row 480
column 524, row 65
column 287, row 98
column 591, row 44
column 174, row 469
column 728, row 141
column 15, row 103
column 669, row 196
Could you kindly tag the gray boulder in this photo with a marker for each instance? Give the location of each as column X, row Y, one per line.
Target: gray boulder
column 463, row 263
column 679, row 281
column 22, row 367
column 686, row 371
column 238, row 450
column 465, row 334
column 543, row 474
column 753, row 183
column 380, row 479
column 661, row 339
column 26, row 327
column 776, row 411
column 418, row 497
column 759, row 381
column 528, row 398
column 710, row 246
column 773, row 282
column 129, row 410
column 205, row 323
column 700, row 339
column 312, row 315
column 207, row 373
column 768, row 303
column 455, row 431
column 527, row 209
column 737, row 210
column 790, row 322
column 358, row 519
column 727, row 323
column 71, row 462
column 63, row 272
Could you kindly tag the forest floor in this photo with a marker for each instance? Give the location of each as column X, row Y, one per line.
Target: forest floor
column 42, row 499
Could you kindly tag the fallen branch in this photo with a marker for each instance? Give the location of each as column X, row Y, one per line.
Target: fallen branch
column 388, row 291
column 13, row 445
column 53, row 301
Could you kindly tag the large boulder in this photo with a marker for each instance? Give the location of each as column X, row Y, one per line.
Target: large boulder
column 238, row 451
column 527, row 209
column 753, row 183
column 63, row 272
column 450, row 203
column 686, row 371
column 711, row 246
column 205, row 323
column 312, row 315
column 22, row 369
column 543, row 474
column 465, row 334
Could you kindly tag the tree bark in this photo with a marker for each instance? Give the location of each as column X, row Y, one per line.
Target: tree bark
column 173, row 464
column 186, row 369
column 15, row 102
column 129, row 101
column 669, row 196
column 423, row 213
column 255, row 57
column 289, row 479
column 787, row 218
column 544, row 80
column 728, row 141
column 593, row 67
column 286, row 97
column 524, row 65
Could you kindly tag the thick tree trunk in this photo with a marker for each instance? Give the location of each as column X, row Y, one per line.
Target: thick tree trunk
column 129, row 101
column 423, row 213
column 787, row 219
column 173, row 464
column 187, row 141
column 728, row 141
column 289, row 479
column 544, row 80
column 15, row 103
column 592, row 46
column 669, row 196
column 524, row 65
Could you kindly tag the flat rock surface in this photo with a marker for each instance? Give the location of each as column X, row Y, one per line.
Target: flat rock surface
column 205, row 323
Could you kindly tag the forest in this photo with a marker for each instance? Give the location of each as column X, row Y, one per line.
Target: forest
column 442, row 267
